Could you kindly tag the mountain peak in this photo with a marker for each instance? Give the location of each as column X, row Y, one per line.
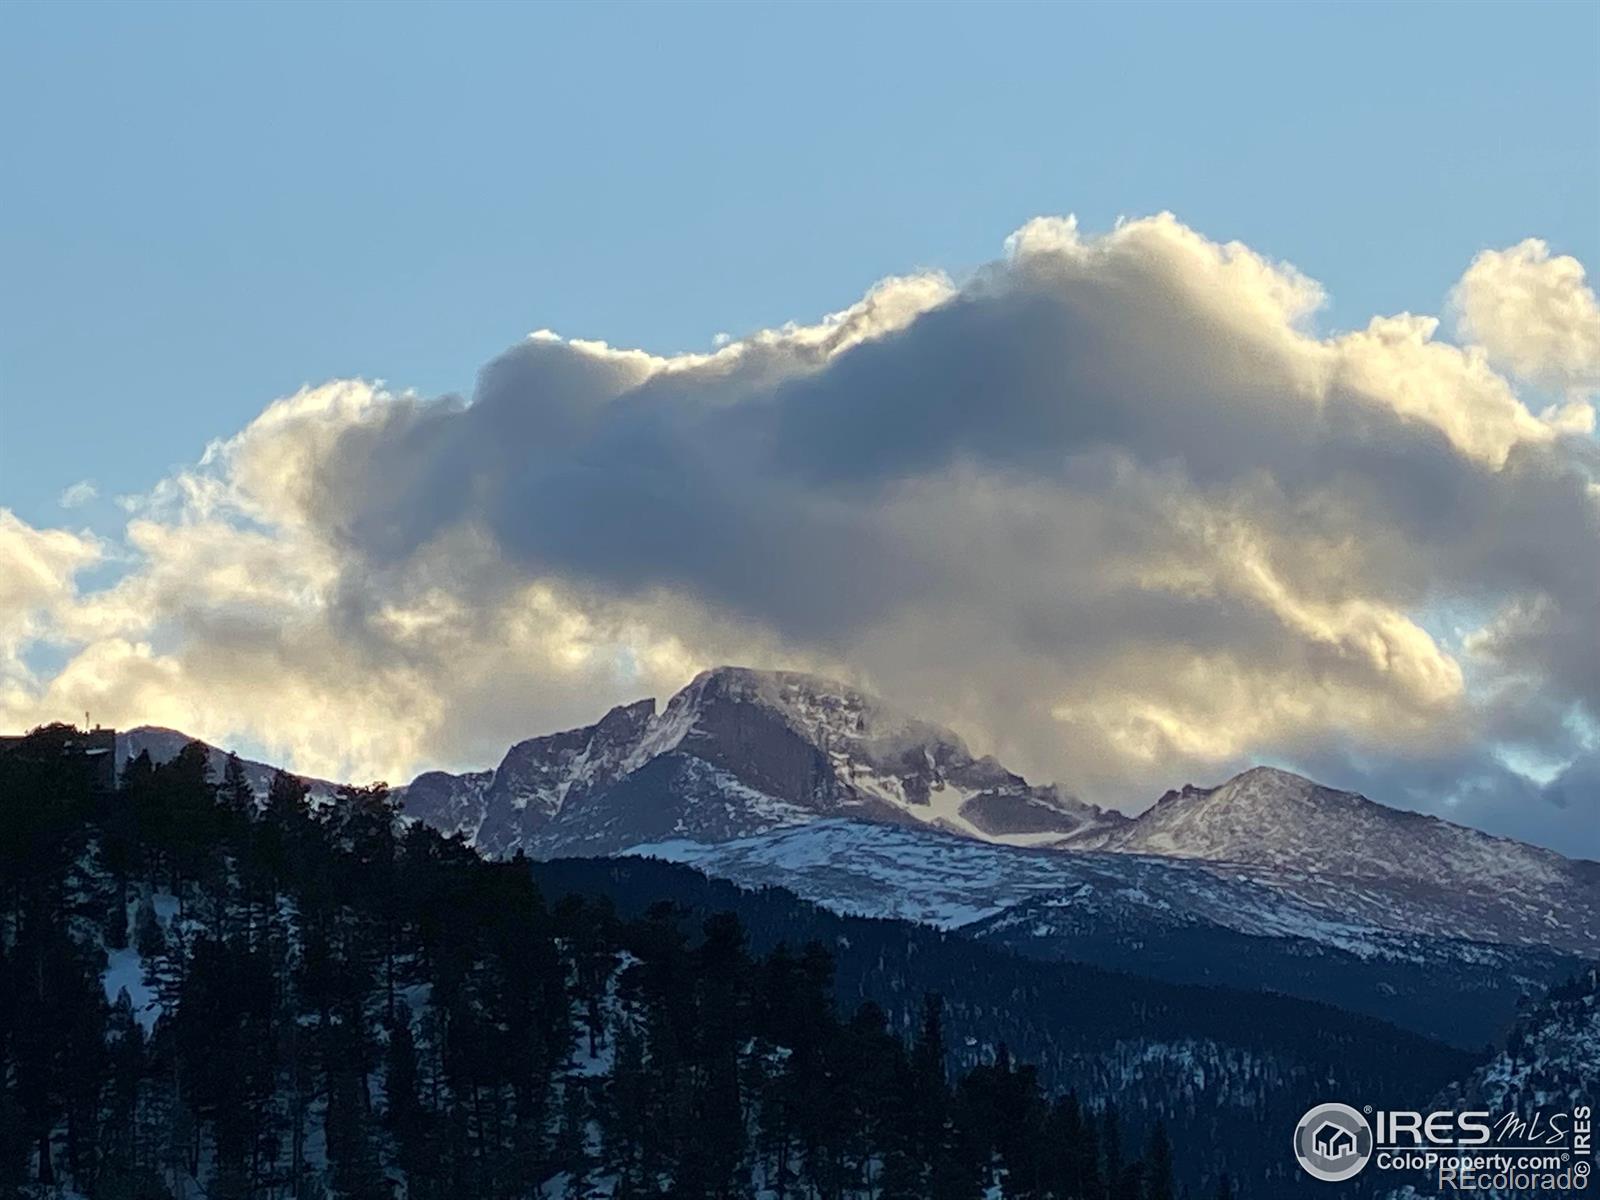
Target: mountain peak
column 1268, row 817
column 741, row 750
column 1274, row 779
column 826, row 711
column 1258, row 789
column 734, row 677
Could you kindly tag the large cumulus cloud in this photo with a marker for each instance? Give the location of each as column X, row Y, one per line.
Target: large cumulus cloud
column 1114, row 506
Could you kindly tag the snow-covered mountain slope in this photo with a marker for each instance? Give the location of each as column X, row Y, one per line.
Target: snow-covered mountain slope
column 1339, row 849
column 1406, row 956
column 946, row 881
column 950, row 882
column 739, row 752
column 1271, row 818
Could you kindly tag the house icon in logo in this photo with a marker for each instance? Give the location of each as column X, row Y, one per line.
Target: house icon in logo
column 1333, row 1143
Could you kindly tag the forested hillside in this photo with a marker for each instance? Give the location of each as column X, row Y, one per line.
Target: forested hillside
column 203, row 997
column 1083, row 1026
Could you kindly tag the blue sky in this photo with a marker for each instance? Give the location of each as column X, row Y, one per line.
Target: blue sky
column 209, row 206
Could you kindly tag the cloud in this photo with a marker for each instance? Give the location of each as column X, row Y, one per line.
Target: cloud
column 1481, row 790
column 37, row 568
column 79, row 494
column 1534, row 314
column 1114, row 507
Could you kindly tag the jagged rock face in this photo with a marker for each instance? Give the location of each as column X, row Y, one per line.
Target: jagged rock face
column 538, row 778
column 1001, row 813
column 850, row 755
column 541, row 774
column 674, row 795
column 739, row 752
column 453, row 803
column 755, row 744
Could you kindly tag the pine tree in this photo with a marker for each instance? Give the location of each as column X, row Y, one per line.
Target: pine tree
column 357, row 1171
column 119, row 1114
column 625, row 1116
column 1158, row 1182
column 722, row 968
column 236, row 793
column 148, row 937
column 1111, row 1152
column 1130, row 1182
column 572, row 1142
column 115, row 926
column 285, row 826
column 930, row 1089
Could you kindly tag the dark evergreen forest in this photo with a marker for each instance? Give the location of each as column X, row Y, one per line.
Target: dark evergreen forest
column 204, row 995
